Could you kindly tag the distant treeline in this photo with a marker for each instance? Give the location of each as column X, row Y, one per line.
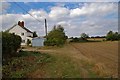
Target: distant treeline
column 58, row 37
column 97, row 37
column 110, row 36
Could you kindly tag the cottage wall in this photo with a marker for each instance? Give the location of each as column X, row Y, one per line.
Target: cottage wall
column 21, row 32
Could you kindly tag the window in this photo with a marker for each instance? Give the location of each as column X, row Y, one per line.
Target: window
column 22, row 34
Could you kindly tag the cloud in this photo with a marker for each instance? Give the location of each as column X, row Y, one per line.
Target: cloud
column 58, row 13
column 95, row 9
column 91, row 18
column 40, row 14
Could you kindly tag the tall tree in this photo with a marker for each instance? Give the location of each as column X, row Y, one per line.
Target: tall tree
column 110, row 35
column 56, row 36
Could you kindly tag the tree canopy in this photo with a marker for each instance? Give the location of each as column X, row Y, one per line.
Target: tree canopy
column 84, row 36
column 56, row 36
column 112, row 36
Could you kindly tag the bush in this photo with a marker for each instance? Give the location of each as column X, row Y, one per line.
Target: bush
column 10, row 44
column 75, row 39
column 56, row 37
column 111, row 36
column 78, row 40
column 53, row 42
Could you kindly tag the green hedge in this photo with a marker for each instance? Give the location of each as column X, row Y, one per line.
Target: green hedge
column 53, row 42
column 10, row 44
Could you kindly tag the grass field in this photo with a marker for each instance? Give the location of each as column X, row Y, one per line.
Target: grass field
column 96, row 39
column 74, row 60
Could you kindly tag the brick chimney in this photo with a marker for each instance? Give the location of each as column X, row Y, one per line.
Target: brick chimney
column 21, row 23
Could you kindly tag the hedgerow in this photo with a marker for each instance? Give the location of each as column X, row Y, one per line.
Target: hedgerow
column 10, row 44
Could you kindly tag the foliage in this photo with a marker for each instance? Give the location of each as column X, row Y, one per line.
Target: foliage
column 75, row 39
column 56, row 36
column 111, row 36
column 10, row 44
column 98, row 37
column 35, row 34
column 84, row 36
column 78, row 40
column 26, row 62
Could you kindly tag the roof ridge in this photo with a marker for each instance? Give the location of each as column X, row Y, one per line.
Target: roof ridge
column 27, row 29
column 21, row 27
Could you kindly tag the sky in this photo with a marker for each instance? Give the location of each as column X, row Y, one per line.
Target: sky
column 93, row 18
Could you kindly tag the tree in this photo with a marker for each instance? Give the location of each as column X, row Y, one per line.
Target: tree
column 84, row 36
column 113, row 36
column 60, row 28
column 56, row 36
column 110, row 36
column 116, row 36
column 35, row 34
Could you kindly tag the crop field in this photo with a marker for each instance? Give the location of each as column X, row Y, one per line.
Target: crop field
column 95, row 59
column 96, row 39
column 74, row 60
column 103, row 54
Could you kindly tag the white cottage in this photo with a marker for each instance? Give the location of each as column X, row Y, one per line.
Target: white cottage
column 23, row 32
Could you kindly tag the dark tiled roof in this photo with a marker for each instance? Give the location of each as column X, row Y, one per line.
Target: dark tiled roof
column 27, row 29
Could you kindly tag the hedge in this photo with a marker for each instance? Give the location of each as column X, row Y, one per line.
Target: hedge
column 10, row 44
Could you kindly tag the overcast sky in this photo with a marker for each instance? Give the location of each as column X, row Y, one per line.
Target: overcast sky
column 93, row 18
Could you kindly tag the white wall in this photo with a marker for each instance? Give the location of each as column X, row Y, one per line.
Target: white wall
column 18, row 30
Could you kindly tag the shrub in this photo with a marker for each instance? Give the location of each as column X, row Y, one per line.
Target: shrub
column 78, row 40
column 10, row 44
column 111, row 36
column 75, row 39
column 56, row 37
column 53, row 42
